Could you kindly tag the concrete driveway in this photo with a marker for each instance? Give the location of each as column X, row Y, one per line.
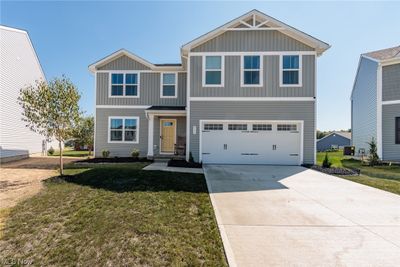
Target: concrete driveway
column 292, row 216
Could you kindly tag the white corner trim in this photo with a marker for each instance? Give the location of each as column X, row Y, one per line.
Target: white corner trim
column 391, row 102
column 188, row 109
column 150, row 139
column 124, row 106
column 379, row 112
column 162, row 84
column 260, row 70
column 300, row 70
column 123, row 129
column 252, row 99
column 124, row 84
column 222, row 70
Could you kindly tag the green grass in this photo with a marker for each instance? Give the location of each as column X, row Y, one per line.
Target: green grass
column 383, row 177
column 71, row 153
column 117, row 215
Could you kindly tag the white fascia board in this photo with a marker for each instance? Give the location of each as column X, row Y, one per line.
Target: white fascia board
column 124, row 106
column 252, row 99
column 391, row 102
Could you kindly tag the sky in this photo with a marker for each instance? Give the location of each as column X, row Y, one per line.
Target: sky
column 70, row 35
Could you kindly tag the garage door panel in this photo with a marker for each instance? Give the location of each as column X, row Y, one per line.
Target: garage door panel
column 251, row 147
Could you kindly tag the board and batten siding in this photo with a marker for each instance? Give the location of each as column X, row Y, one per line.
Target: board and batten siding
column 270, row 88
column 19, row 67
column 391, row 82
column 390, row 150
column 363, row 105
column 260, row 110
column 123, row 63
column 149, row 91
column 241, row 41
column 119, row 149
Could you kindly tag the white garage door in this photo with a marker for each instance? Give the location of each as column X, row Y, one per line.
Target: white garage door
column 258, row 142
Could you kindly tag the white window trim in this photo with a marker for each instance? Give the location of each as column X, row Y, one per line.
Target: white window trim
column 124, row 84
column 123, row 118
column 162, row 84
column 261, row 70
column 300, row 69
column 222, row 84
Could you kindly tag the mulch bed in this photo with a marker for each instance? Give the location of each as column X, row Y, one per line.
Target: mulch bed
column 334, row 171
column 183, row 164
column 114, row 160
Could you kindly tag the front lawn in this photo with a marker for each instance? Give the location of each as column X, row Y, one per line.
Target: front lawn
column 116, row 216
column 383, row 177
column 71, row 153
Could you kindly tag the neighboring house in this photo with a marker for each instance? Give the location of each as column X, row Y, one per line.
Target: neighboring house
column 19, row 67
column 375, row 103
column 245, row 93
column 334, row 140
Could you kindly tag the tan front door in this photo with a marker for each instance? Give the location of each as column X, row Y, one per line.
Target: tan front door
column 168, row 135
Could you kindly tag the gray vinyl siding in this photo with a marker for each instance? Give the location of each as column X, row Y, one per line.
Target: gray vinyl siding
column 260, row 110
column 391, row 150
column 240, row 41
column 123, row 63
column 391, row 82
column 119, row 149
column 364, row 120
column 180, row 130
column 332, row 140
column 149, row 91
column 270, row 75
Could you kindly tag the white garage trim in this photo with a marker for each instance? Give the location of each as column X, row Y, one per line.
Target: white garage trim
column 301, row 122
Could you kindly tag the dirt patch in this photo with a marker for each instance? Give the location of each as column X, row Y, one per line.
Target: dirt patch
column 48, row 163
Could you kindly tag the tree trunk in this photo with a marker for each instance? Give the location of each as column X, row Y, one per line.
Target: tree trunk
column 61, row 159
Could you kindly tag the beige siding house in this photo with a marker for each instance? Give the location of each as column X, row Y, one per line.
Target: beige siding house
column 244, row 93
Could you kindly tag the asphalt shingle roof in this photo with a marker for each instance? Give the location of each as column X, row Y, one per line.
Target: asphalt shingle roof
column 384, row 54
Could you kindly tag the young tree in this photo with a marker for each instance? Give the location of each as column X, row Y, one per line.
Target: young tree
column 373, row 153
column 51, row 109
column 84, row 132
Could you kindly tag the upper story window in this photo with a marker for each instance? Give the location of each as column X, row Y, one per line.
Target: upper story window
column 290, row 73
column 251, row 71
column 213, row 71
column 124, row 85
column 123, row 129
column 168, row 85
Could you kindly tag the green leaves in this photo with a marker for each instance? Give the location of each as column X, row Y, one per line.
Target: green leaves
column 51, row 109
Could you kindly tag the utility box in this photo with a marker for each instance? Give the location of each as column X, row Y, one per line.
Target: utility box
column 348, row 150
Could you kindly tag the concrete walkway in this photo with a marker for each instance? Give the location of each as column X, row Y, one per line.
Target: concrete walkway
column 291, row 216
column 162, row 166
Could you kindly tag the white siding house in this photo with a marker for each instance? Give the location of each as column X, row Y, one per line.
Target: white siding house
column 19, row 66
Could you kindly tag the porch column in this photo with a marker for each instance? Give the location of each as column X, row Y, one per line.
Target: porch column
column 150, row 147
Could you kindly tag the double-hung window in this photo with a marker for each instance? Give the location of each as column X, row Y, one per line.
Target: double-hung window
column 290, row 70
column 251, row 71
column 213, row 71
column 123, row 129
column 124, row 84
column 168, row 85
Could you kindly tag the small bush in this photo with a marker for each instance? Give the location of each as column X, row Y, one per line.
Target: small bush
column 51, row 151
column 191, row 159
column 105, row 153
column 135, row 153
column 373, row 153
column 326, row 163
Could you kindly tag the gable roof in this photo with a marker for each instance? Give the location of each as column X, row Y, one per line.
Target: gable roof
column 271, row 22
column 123, row 52
column 385, row 54
column 346, row 135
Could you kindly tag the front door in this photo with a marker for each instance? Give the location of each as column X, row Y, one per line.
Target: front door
column 168, row 135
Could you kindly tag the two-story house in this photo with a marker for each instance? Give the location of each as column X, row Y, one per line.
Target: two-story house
column 245, row 93
column 375, row 103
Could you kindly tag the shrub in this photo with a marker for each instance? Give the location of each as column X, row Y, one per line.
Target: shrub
column 373, row 153
column 50, row 151
column 105, row 153
column 135, row 153
column 191, row 159
column 326, row 163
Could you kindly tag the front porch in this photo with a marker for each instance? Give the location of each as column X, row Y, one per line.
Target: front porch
column 166, row 132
